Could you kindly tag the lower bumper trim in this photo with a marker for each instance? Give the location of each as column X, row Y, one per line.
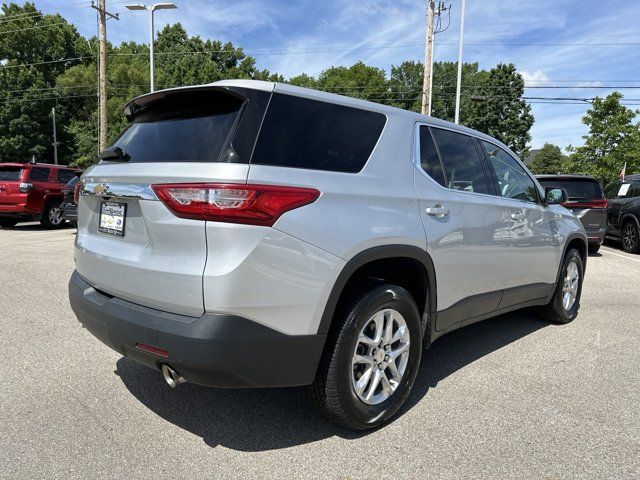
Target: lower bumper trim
column 217, row 350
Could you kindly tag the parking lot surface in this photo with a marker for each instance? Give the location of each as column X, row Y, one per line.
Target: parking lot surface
column 511, row 397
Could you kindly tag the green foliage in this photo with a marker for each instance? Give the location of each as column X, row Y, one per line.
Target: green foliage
column 548, row 160
column 26, row 93
column 613, row 140
column 358, row 80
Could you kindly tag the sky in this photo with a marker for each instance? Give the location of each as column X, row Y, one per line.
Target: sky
column 586, row 47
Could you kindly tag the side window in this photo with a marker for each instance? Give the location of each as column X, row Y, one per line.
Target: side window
column 635, row 190
column 611, row 191
column 302, row 133
column 513, row 180
column 64, row 176
column 39, row 174
column 462, row 165
column 429, row 160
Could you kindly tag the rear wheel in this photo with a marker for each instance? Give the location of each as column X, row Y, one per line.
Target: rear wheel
column 564, row 306
column 52, row 216
column 630, row 237
column 594, row 247
column 370, row 364
column 8, row 222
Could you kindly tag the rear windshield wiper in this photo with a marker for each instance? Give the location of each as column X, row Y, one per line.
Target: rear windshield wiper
column 114, row 154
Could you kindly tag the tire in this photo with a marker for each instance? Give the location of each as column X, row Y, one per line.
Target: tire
column 8, row 222
column 594, row 247
column 334, row 388
column 630, row 237
column 51, row 216
column 555, row 311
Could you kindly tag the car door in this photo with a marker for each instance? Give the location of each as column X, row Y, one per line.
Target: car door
column 619, row 194
column 466, row 230
column 39, row 178
column 534, row 234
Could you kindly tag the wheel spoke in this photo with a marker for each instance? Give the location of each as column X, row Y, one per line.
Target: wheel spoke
column 368, row 341
column 387, row 388
column 399, row 351
column 363, row 380
column 392, row 367
column 388, row 328
column 358, row 359
column 378, row 320
column 399, row 334
column 375, row 381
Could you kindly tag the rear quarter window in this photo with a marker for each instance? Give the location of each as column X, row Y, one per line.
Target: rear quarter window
column 303, row 133
column 39, row 174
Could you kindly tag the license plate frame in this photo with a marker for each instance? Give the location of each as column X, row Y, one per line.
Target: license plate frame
column 112, row 218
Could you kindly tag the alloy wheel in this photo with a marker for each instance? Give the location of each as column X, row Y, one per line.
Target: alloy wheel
column 629, row 237
column 570, row 285
column 380, row 356
column 55, row 216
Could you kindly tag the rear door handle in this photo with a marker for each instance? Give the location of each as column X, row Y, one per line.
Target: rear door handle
column 517, row 216
column 437, row 211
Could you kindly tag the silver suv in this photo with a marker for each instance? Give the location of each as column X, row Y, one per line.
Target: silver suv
column 252, row 234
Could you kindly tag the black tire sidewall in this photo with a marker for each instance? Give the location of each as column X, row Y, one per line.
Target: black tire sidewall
column 385, row 296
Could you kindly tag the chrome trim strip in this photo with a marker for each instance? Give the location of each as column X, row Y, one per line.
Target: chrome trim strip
column 137, row 191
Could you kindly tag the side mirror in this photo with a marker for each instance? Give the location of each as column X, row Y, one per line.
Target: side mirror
column 555, row 196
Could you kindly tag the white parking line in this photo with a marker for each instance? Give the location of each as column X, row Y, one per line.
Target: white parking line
column 620, row 255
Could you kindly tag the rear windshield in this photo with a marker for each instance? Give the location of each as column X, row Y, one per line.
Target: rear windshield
column 10, row 174
column 183, row 127
column 302, row 133
column 577, row 189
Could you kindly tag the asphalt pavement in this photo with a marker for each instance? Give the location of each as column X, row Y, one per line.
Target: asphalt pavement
column 511, row 397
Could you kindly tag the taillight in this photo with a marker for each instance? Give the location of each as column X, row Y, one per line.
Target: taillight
column 248, row 204
column 599, row 203
column 25, row 187
column 76, row 192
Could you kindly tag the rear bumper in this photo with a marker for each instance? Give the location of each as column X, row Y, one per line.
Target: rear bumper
column 596, row 236
column 215, row 349
column 69, row 212
column 15, row 210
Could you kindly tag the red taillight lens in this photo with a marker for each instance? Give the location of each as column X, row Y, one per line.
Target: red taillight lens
column 25, row 187
column 76, row 192
column 599, row 203
column 248, row 204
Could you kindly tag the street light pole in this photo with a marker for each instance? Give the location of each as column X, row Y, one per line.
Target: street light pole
column 151, row 9
column 460, row 42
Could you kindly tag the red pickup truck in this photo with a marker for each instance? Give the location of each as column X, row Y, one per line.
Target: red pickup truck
column 32, row 191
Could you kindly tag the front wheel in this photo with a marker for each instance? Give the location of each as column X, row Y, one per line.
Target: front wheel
column 52, row 216
column 370, row 364
column 564, row 306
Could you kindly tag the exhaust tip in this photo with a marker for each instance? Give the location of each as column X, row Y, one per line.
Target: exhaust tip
column 172, row 377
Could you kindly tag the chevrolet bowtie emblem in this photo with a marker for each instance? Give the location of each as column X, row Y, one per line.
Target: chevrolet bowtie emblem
column 100, row 188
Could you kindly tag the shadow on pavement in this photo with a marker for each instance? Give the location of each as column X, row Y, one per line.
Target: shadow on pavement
column 266, row 419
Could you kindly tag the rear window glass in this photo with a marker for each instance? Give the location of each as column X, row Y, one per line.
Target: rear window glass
column 39, row 174
column 183, row 127
column 622, row 190
column 302, row 133
column 10, row 174
column 429, row 160
column 72, row 183
column 577, row 189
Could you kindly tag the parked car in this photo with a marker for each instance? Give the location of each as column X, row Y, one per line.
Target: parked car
column 69, row 207
column 623, row 217
column 252, row 234
column 586, row 201
column 32, row 191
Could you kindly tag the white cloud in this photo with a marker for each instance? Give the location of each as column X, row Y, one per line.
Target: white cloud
column 534, row 78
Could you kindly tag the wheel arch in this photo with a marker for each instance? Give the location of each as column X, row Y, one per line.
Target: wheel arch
column 373, row 256
column 580, row 243
column 629, row 216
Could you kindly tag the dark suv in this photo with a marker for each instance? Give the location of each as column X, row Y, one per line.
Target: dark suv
column 586, row 201
column 623, row 217
column 32, row 191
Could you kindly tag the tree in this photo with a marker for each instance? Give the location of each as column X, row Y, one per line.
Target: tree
column 27, row 92
column 503, row 113
column 613, row 140
column 358, row 80
column 548, row 160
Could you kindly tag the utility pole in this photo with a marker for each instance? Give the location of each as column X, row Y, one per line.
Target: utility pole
column 428, row 64
column 55, row 137
column 102, row 70
column 459, row 84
